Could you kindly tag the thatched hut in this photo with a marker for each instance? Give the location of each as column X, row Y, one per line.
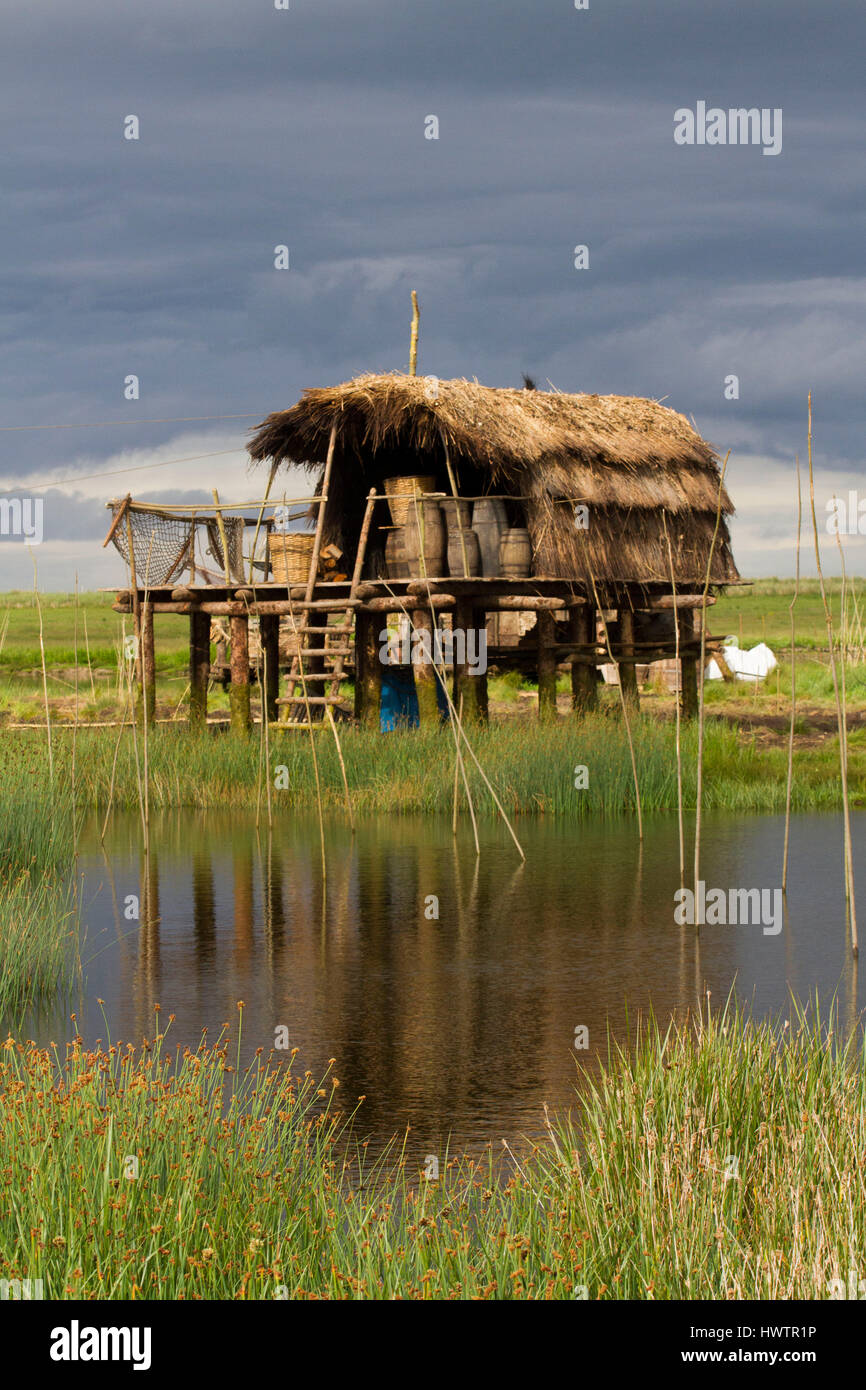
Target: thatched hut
column 629, row 461
column 616, row 493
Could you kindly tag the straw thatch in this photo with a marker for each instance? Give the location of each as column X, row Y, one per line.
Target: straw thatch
column 626, row 458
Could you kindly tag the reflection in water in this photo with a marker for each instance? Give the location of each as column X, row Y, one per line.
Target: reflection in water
column 460, row 1024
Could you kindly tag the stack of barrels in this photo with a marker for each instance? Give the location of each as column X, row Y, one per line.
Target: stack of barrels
column 434, row 535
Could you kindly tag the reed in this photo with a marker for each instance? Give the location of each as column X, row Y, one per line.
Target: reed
column 794, row 598
column 841, row 712
column 666, row 1182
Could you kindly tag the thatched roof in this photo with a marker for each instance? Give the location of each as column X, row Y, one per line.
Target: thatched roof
column 625, row 457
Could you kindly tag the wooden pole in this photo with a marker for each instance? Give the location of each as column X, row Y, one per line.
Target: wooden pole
column 148, row 661
column 465, row 683
column 545, row 629
column 584, row 686
column 239, row 692
column 413, row 336
column 199, row 668
column 424, row 670
column 269, row 628
column 368, row 672
column 627, row 670
column 223, row 539
column 136, row 608
column 790, row 781
column 687, row 620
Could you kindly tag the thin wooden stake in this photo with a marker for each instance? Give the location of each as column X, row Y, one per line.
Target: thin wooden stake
column 840, row 713
column 790, row 783
column 678, row 710
column 699, row 793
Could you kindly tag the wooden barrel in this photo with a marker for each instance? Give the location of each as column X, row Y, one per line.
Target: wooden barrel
column 424, row 541
column 451, row 507
column 395, row 556
column 489, row 522
column 515, row 553
column 455, row 553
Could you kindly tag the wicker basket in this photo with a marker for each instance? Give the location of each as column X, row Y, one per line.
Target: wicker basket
column 290, row 554
column 399, row 506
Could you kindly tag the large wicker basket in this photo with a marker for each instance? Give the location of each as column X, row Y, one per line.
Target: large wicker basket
column 412, row 483
column 290, row 554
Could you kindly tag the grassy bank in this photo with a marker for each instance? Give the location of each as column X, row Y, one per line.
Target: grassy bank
column 727, row 1164
column 531, row 767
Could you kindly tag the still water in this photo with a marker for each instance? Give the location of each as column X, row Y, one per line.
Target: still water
column 459, row 1025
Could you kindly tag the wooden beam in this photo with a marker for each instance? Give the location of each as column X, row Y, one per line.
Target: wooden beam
column 681, row 601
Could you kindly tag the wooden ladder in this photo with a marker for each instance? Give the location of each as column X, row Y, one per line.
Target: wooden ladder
column 298, row 700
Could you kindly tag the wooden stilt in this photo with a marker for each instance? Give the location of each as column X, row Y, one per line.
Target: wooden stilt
column 425, row 674
column 148, row 662
column 479, row 618
column 368, row 671
column 199, row 668
column 627, row 670
column 269, row 628
column 584, row 686
column 466, row 683
column 688, row 666
column 239, row 692
column 545, row 628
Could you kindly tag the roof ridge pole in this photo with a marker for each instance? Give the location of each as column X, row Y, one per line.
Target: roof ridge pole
column 413, row 336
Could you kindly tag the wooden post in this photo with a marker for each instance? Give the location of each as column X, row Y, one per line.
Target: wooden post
column 479, row 617
column 239, row 693
column 627, row 670
column 148, row 662
column 368, row 671
column 584, row 686
column 199, row 668
column 269, row 628
column 465, row 683
column 688, row 666
column 425, row 674
column 545, row 628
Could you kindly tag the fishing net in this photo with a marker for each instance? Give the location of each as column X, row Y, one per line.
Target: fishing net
column 163, row 543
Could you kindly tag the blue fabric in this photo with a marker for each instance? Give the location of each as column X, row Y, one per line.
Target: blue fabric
column 399, row 705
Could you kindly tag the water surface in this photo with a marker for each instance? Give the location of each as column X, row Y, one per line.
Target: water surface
column 460, row 1025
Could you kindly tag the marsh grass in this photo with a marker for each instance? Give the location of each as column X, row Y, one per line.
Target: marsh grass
column 251, row 1186
column 38, row 925
column 532, row 769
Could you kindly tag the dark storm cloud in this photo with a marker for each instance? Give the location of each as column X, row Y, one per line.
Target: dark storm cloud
column 260, row 127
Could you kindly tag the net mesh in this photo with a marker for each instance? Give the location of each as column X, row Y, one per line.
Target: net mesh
column 163, row 543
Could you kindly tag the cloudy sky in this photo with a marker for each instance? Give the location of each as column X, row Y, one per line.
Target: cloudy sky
column 306, row 127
